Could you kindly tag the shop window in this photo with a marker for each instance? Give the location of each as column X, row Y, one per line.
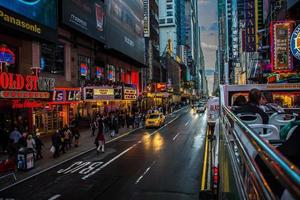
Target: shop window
column 52, row 58
column 84, row 67
column 8, row 56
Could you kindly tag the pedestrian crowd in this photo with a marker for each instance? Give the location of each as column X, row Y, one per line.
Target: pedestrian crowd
column 19, row 140
column 63, row 139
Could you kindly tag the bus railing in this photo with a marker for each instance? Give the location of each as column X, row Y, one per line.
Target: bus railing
column 251, row 182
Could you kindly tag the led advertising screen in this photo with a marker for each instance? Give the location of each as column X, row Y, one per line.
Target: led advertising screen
column 41, row 11
column 37, row 17
column 86, row 16
column 125, row 30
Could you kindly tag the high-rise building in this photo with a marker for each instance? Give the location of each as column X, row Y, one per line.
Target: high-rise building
column 167, row 26
column 151, row 33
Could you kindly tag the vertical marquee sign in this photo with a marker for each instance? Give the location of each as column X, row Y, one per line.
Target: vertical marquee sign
column 250, row 26
column 146, row 19
column 281, row 59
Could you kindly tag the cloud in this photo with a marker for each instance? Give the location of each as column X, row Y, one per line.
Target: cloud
column 208, row 46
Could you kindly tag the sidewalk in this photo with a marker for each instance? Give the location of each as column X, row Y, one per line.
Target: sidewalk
column 86, row 142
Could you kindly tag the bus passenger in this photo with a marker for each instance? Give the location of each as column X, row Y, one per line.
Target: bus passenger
column 240, row 101
column 252, row 105
column 268, row 105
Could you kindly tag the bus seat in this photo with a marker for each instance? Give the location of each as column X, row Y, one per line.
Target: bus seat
column 271, row 134
column 278, row 119
column 250, row 118
column 291, row 132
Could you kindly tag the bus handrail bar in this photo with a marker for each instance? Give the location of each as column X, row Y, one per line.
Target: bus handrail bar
column 288, row 174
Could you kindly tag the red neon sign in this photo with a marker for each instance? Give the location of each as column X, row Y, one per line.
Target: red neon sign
column 9, row 81
column 24, row 95
column 6, row 55
column 25, row 104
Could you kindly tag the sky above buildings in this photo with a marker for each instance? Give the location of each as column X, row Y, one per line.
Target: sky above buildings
column 209, row 30
column 208, row 20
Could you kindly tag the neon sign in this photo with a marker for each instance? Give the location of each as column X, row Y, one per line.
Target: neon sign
column 99, row 72
column 24, row 95
column 29, row 2
column 295, row 42
column 66, row 95
column 9, row 81
column 25, row 104
column 6, row 55
column 83, row 69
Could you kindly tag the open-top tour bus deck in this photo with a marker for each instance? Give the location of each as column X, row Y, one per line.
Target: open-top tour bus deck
column 246, row 161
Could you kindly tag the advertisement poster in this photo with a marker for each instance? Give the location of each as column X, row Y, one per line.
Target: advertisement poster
column 35, row 17
column 125, row 28
column 280, row 44
column 85, row 16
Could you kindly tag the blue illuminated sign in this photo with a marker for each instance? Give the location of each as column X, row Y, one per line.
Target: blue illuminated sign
column 295, row 42
column 41, row 11
column 29, row 2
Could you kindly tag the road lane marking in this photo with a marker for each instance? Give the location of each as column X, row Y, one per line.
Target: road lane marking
column 174, row 138
column 204, row 164
column 186, row 123
column 106, row 164
column 55, row 197
column 82, row 153
column 145, row 172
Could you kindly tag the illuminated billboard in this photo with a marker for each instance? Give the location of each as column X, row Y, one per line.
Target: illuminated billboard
column 125, row 28
column 85, row 16
column 281, row 58
column 37, row 17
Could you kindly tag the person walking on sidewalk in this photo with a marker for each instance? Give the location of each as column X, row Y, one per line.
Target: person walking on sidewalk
column 56, row 143
column 76, row 136
column 38, row 146
column 100, row 139
column 67, row 134
column 63, row 141
column 116, row 124
column 94, row 126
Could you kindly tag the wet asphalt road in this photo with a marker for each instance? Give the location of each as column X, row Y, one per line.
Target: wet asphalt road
column 148, row 164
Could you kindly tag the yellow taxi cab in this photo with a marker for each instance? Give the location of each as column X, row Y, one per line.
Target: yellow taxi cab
column 155, row 120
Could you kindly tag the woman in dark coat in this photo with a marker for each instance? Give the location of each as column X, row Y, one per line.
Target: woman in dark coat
column 100, row 139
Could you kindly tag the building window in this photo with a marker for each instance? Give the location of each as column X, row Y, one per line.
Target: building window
column 170, row 20
column 111, row 73
column 169, row 6
column 52, row 58
column 169, row 13
column 84, row 67
column 162, row 21
column 169, row 1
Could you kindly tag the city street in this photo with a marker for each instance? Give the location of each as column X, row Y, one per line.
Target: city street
column 147, row 164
